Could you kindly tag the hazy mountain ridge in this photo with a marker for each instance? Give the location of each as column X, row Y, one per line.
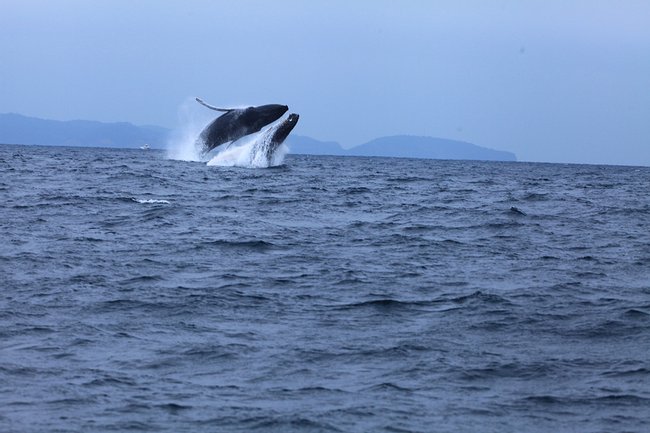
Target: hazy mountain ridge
column 401, row 146
column 19, row 129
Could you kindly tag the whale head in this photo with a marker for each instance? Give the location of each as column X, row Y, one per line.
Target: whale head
column 283, row 129
column 258, row 117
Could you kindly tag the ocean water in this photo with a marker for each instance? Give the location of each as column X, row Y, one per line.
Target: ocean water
column 328, row 294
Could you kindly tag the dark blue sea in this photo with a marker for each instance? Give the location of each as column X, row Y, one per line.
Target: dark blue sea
column 328, row 294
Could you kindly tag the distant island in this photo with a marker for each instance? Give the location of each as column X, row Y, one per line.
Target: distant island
column 19, row 129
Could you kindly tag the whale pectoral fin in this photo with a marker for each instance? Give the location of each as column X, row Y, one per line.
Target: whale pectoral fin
column 212, row 107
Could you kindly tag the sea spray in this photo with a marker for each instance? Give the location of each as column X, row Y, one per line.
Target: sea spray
column 250, row 152
column 182, row 143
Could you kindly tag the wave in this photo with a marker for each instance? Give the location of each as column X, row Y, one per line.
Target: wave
column 481, row 298
column 612, row 399
column 381, row 304
column 150, row 201
column 252, row 245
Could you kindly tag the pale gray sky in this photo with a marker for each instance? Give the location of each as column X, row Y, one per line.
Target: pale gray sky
column 551, row 80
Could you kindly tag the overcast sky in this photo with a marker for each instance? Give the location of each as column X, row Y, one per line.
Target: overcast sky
column 551, row 80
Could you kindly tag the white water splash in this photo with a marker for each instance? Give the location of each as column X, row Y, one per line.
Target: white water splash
column 192, row 120
column 250, row 152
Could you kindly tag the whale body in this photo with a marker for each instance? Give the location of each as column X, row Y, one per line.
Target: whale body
column 275, row 136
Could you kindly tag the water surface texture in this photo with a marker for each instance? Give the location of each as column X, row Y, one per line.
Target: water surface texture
column 329, row 294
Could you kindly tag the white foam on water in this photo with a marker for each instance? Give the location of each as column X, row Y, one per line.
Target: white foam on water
column 278, row 156
column 151, row 201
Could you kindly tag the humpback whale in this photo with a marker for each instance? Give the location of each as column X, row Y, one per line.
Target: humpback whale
column 273, row 137
column 235, row 123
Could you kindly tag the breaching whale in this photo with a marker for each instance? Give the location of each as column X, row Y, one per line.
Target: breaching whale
column 272, row 138
column 236, row 123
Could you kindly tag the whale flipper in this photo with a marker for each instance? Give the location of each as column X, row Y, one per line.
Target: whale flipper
column 212, row 107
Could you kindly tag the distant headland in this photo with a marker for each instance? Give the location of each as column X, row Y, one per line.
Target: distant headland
column 19, row 129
